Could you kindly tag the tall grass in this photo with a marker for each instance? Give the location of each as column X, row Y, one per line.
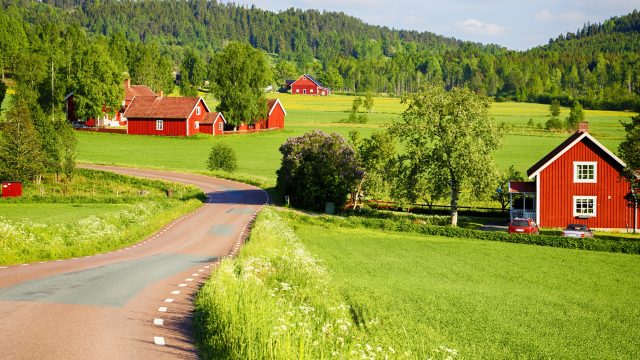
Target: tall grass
column 276, row 301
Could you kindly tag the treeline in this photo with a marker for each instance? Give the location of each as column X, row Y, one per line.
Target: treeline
column 599, row 65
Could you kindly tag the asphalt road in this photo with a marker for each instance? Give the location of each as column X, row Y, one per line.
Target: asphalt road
column 133, row 303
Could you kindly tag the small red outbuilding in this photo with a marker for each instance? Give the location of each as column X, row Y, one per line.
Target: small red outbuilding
column 11, row 189
column 213, row 124
column 274, row 120
column 166, row 116
column 307, row 85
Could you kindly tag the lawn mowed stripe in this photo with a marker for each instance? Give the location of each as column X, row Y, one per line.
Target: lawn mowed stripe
column 486, row 299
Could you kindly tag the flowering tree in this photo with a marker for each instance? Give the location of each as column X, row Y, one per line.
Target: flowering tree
column 317, row 168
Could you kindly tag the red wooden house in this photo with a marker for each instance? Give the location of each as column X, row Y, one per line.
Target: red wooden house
column 306, row 85
column 130, row 91
column 213, row 124
column 580, row 181
column 274, row 120
column 167, row 116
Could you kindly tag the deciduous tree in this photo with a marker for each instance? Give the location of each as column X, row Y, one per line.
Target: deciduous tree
column 502, row 191
column 240, row 75
column 453, row 135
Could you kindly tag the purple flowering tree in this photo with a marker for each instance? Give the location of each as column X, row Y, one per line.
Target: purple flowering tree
column 318, row 168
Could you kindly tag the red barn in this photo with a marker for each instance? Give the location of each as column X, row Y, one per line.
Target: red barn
column 213, row 124
column 167, row 116
column 580, row 181
column 130, row 92
column 274, row 120
column 306, row 85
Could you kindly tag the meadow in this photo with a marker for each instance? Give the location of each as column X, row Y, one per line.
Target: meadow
column 258, row 155
column 94, row 212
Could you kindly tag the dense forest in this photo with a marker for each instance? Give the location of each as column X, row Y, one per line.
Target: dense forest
column 159, row 41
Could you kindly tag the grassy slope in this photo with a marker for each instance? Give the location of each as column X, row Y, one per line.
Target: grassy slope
column 50, row 214
column 258, row 154
column 488, row 300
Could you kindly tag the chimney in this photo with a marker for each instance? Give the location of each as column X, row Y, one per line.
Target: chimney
column 127, row 83
column 161, row 94
column 583, row 126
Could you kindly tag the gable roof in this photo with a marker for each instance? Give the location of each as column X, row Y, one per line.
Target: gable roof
column 156, row 107
column 312, row 79
column 271, row 105
column 570, row 142
column 210, row 118
column 137, row 90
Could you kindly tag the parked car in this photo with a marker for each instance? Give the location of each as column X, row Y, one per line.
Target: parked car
column 523, row 226
column 577, row 230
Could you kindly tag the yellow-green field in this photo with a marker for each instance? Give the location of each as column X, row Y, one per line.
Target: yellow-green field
column 258, row 155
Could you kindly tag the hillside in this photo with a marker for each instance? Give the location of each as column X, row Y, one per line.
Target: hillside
column 599, row 65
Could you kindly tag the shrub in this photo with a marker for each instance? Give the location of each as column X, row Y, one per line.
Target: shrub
column 317, row 168
column 554, row 124
column 222, row 157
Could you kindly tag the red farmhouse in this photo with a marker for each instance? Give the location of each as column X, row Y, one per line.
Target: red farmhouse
column 213, row 124
column 306, row 85
column 580, row 181
column 130, row 91
column 168, row 116
column 274, row 120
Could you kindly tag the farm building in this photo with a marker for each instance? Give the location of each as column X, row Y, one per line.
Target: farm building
column 167, row 116
column 306, row 85
column 274, row 120
column 130, row 91
column 213, row 124
column 580, row 181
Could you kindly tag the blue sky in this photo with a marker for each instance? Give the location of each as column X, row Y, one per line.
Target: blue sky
column 516, row 24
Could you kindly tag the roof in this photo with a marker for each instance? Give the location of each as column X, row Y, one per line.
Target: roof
column 312, row 79
column 210, row 118
column 522, row 187
column 137, row 90
column 156, row 107
column 570, row 142
column 271, row 104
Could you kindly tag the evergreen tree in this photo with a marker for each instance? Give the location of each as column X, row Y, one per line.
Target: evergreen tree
column 21, row 157
column 576, row 116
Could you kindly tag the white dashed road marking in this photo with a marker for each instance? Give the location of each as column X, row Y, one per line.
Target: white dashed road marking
column 162, row 309
column 175, row 292
column 158, row 322
column 168, row 300
column 158, row 340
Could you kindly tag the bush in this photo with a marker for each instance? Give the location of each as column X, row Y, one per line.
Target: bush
column 222, row 157
column 317, row 168
column 554, row 124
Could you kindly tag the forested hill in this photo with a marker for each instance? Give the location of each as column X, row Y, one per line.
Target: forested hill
column 599, row 65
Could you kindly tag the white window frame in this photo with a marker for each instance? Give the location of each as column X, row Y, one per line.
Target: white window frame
column 304, row 91
column 196, row 125
column 159, row 125
column 198, row 110
column 311, row 90
column 220, row 126
column 575, row 207
column 576, row 164
column 297, row 91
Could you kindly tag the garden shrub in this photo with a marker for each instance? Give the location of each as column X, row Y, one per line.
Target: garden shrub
column 222, row 157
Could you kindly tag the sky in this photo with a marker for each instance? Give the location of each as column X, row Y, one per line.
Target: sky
column 515, row 24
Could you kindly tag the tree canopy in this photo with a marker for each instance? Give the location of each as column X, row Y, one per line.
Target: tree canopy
column 452, row 138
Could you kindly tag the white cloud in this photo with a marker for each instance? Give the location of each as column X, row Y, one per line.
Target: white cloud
column 473, row 26
column 568, row 17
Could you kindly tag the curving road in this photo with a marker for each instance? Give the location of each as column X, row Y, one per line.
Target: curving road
column 133, row 303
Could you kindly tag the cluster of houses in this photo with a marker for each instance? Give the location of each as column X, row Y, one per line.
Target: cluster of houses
column 144, row 112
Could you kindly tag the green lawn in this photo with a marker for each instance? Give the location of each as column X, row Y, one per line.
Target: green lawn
column 51, row 214
column 258, row 154
column 486, row 299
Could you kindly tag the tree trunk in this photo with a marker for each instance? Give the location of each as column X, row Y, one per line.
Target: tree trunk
column 454, row 206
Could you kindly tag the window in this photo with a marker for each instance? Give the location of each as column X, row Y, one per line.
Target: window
column 585, row 171
column 584, row 206
column 298, row 91
column 304, row 91
column 311, row 91
column 196, row 125
column 198, row 111
column 220, row 125
column 159, row 125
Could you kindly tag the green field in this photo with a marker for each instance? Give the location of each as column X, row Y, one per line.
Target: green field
column 51, row 214
column 258, row 155
column 488, row 300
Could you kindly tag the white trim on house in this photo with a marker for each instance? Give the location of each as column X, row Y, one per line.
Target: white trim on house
column 538, row 200
column 198, row 111
column 593, row 199
column 584, row 134
column 159, row 125
column 579, row 177
column 274, row 106
column 196, row 124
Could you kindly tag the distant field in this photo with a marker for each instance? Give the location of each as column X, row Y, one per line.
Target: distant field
column 486, row 299
column 258, row 154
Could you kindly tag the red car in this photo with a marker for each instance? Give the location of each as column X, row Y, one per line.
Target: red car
column 523, row 226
